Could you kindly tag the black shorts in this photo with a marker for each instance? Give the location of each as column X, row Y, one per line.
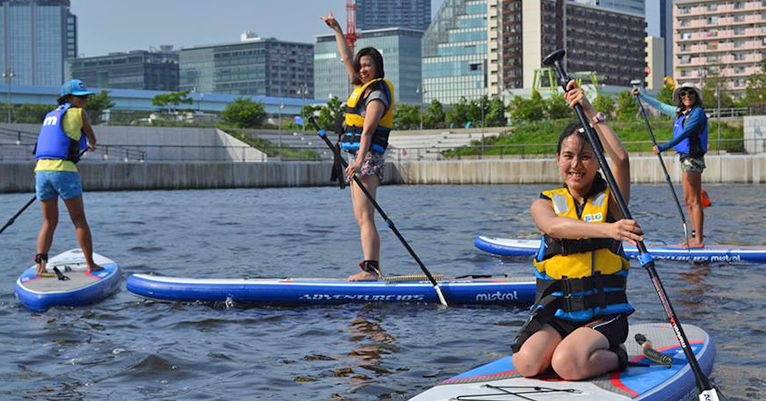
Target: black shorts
column 613, row 327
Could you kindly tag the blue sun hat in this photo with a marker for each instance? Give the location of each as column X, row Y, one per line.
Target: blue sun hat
column 74, row 87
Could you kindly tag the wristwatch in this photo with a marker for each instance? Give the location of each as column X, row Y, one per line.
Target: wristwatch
column 598, row 118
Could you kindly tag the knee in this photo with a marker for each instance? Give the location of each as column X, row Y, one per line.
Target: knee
column 566, row 365
column 528, row 365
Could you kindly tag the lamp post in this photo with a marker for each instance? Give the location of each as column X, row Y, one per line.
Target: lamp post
column 304, row 90
column 8, row 75
column 422, row 90
column 279, row 125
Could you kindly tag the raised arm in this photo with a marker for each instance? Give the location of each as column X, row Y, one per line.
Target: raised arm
column 610, row 141
column 663, row 108
column 345, row 53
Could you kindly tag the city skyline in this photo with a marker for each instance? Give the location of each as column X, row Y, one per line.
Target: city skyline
column 204, row 23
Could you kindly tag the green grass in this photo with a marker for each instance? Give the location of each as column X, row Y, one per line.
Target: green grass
column 540, row 137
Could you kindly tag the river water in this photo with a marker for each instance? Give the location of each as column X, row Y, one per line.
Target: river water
column 128, row 349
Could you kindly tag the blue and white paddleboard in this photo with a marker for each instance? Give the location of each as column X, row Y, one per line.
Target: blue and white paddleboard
column 489, row 290
column 499, row 380
column 82, row 288
column 710, row 253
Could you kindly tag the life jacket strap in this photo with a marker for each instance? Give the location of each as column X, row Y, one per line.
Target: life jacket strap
column 371, row 266
column 41, row 257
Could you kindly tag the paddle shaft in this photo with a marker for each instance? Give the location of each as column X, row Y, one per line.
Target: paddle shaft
column 703, row 383
column 29, row 203
column 389, row 222
column 664, row 169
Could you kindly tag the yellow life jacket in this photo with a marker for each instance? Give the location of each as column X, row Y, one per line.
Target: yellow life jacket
column 354, row 121
column 564, row 258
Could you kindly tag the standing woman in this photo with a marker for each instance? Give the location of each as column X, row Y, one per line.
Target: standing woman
column 65, row 131
column 690, row 142
column 579, row 320
column 369, row 118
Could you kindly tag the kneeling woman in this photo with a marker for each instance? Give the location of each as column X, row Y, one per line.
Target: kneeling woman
column 579, row 320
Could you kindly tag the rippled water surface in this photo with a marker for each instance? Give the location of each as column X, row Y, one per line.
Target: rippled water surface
column 128, row 349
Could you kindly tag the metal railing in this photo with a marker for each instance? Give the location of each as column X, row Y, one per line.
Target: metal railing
column 28, row 139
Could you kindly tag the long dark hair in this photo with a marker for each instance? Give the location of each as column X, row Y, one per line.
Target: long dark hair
column 377, row 61
column 571, row 129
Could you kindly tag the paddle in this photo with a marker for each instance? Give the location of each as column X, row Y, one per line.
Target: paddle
column 323, row 134
column 635, row 84
column 13, row 219
column 705, row 389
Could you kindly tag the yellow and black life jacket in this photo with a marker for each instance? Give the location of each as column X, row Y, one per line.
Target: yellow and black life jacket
column 354, row 121
column 584, row 278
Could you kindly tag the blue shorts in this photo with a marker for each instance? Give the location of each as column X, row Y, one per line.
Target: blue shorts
column 50, row 184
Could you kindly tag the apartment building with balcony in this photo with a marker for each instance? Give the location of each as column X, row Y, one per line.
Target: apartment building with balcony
column 727, row 38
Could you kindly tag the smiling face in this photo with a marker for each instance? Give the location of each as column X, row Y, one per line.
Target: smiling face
column 688, row 97
column 577, row 164
column 367, row 70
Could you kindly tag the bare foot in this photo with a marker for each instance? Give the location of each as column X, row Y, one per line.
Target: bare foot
column 41, row 272
column 362, row 276
column 94, row 268
column 693, row 243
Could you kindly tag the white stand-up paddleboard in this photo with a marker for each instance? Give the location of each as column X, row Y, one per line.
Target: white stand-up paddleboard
column 710, row 253
column 81, row 288
column 499, row 380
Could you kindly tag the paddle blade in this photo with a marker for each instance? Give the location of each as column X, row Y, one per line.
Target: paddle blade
column 705, row 199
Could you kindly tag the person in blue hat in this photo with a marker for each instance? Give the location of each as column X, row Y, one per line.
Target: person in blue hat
column 65, row 132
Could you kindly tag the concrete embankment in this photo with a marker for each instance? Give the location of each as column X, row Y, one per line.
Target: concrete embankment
column 18, row 177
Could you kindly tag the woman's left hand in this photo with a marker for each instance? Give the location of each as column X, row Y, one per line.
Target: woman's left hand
column 353, row 169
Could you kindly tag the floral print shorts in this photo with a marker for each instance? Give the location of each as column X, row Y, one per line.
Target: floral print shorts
column 373, row 163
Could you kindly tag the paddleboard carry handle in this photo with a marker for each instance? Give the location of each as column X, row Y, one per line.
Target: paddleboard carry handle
column 705, row 390
column 336, row 152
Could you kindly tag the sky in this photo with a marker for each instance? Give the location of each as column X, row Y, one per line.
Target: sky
column 106, row 26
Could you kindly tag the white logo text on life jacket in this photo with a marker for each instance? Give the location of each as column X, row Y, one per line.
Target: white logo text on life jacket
column 52, row 120
column 596, row 217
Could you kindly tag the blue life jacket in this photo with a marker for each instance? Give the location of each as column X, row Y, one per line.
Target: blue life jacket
column 696, row 144
column 53, row 142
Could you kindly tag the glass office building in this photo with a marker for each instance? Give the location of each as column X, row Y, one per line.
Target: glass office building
column 455, row 52
column 401, row 51
column 138, row 69
column 254, row 66
column 379, row 14
column 36, row 38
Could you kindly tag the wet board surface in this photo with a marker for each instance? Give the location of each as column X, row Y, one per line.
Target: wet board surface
column 489, row 290
column 711, row 253
column 499, row 381
column 82, row 288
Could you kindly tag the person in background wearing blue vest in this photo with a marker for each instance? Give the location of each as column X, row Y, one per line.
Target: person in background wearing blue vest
column 64, row 133
column 690, row 142
column 579, row 320
column 369, row 117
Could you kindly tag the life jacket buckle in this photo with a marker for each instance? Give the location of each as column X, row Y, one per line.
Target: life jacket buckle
column 574, row 303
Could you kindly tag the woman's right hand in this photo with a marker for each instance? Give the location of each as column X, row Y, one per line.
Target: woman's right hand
column 635, row 91
column 627, row 230
column 331, row 22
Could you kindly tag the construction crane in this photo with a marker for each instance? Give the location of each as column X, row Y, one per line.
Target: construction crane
column 351, row 24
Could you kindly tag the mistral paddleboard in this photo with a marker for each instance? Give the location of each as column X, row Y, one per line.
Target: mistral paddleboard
column 486, row 290
column 710, row 253
column 81, row 287
column 499, row 381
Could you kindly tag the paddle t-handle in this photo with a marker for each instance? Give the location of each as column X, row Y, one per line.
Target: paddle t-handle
column 706, row 391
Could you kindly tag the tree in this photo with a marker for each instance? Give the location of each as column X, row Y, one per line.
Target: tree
column 435, row 116
column 495, row 113
column 556, row 108
column 755, row 94
column 604, row 104
column 31, row 113
column 244, row 113
column 627, row 106
column 171, row 101
column 531, row 109
column 96, row 104
column 666, row 93
column 329, row 114
column 406, row 116
column 458, row 116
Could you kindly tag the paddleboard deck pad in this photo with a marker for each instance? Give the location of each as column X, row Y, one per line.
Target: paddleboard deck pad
column 710, row 253
column 499, row 381
column 82, row 287
column 468, row 290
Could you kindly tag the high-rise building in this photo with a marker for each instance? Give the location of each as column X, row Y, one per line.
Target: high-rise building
column 655, row 62
column 379, row 14
column 254, row 66
column 455, row 52
column 156, row 69
column 666, row 33
column 727, row 39
column 401, row 51
column 36, row 39
column 607, row 42
column 630, row 6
